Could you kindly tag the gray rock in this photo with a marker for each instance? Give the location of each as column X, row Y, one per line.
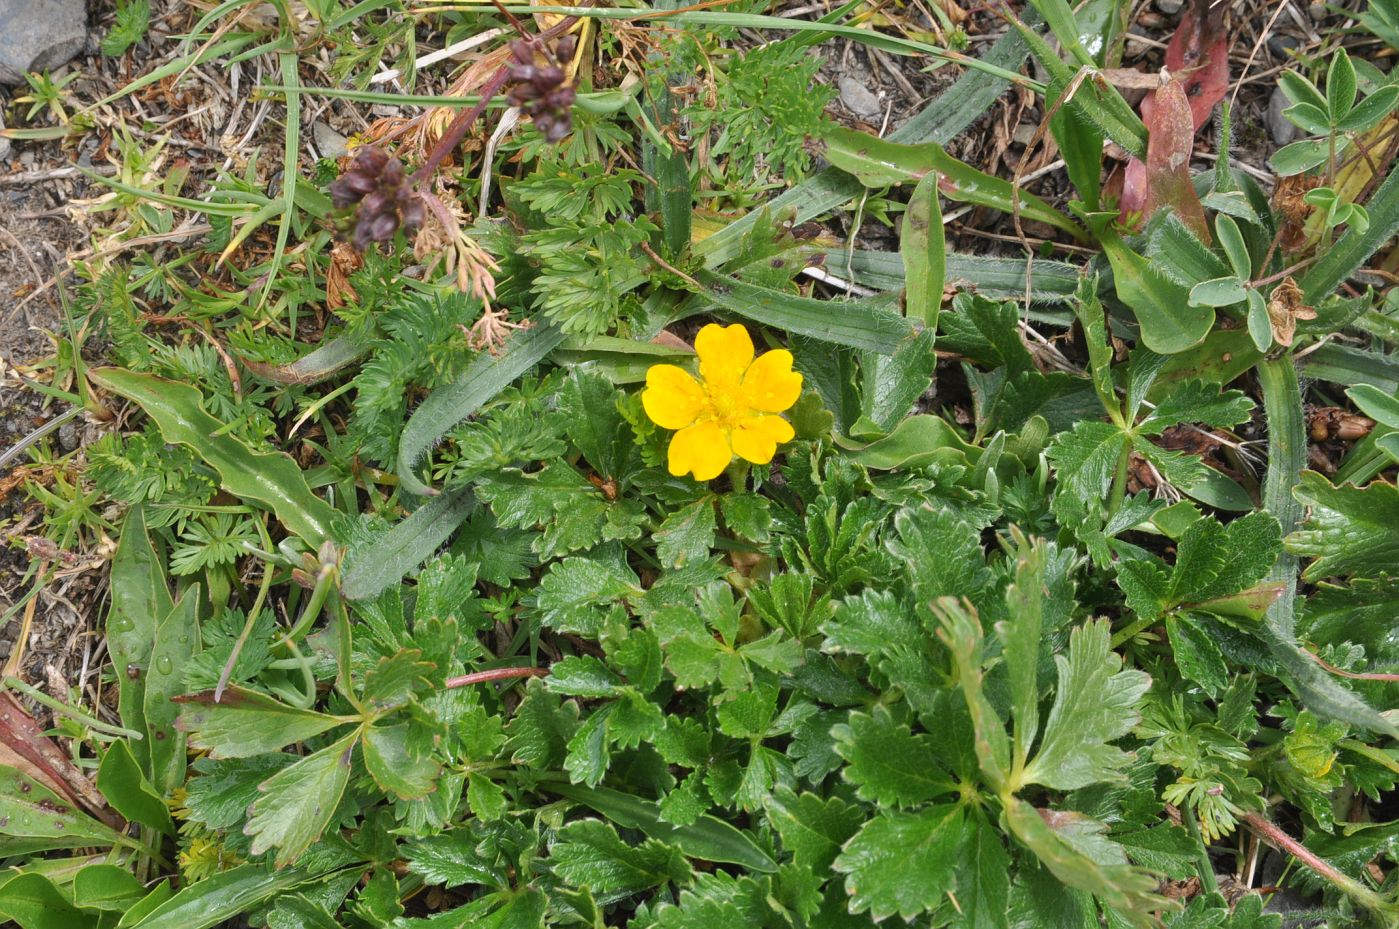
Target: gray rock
column 1279, row 128
column 38, row 35
column 1170, row 7
column 4, row 142
column 329, row 143
column 858, row 98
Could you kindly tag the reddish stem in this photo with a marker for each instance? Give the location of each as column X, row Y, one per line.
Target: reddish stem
column 495, row 674
column 1268, row 832
column 456, row 130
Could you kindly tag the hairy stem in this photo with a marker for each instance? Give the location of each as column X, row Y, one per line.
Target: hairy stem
column 494, row 674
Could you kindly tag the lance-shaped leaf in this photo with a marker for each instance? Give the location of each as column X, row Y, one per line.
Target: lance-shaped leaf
column 1168, row 148
column 245, row 723
column 879, row 163
column 268, row 478
column 924, row 250
column 140, row 597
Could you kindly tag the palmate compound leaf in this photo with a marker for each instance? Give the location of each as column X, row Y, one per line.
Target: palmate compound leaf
column 904, row 863
column 1095, row 704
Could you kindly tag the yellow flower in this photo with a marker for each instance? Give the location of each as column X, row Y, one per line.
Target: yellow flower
column 729, row 410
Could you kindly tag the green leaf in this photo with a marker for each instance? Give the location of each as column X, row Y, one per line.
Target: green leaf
column 924, row 251
column 1340, row 86
column 298, row 801
column 880, row 163
column 1063, row 848
column 1370, row 111
column 455, row 858
column 396, row 764
column 1350, row 530
column 686, row 535
column 140, row 597
column 1196, row 654
column 812, row 829
column 708, row 839
column 588, row 405
column 369, row 571
column 1222, row 291
column 983, row 878
column 1232, row 241
column 887, row 763
column 486, row 376
column 916, row 442
column 246, row 722
column 1260, row 326
column 857, row 325
column 271, row 479
column 1095, row 703
column 590, row 854
column 106, row 887
column 33, row 902
column 176, row 641
column 224, row 896
column 1020, row 640
column 1215, row 560
column 37, row 819
column 1085, row 459
column 1377, row 404
column 1169, row 322
column 903, row 862
column 122, row 783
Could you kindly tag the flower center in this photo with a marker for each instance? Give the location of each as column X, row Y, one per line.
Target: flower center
column 726, row 405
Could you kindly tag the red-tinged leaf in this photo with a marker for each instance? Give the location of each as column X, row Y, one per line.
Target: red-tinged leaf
column 1198, row 59
column 1169, row 143
column 24, row 746
column 1198, row 54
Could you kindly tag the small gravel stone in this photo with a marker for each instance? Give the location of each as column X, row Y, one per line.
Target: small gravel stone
column 858, row 98
column 67, row 437
column 1280, row 45
column 39, row 35
column 4, row 142
column 329, row 143
column 1281, row 131
column 1170, row 7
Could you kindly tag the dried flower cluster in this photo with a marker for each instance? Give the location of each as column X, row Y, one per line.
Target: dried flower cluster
column 386, row 198
column 542, row 91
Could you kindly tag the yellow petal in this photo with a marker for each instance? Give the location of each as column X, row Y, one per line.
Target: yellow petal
column 756, row 438
column 702, row 450
column 725, row 352
column 770, row 385
column 672, row 398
